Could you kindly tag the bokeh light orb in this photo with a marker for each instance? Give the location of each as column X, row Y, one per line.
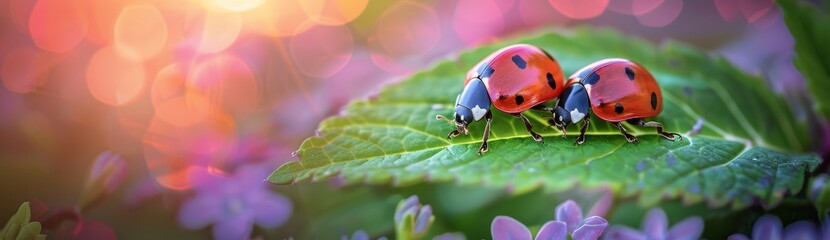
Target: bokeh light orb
column 219, row 30
column 236, row 5
column 168, row 97
column 728, row 9
column 322, row 51
column 278, row 18
column 24, row 69
column 140, row 29
column 405, row 33
column 333, row 12
column 471, row 26
column 663, row 15
column 580, row 9
column 102, row 16
column 19, row 12
column 540, row 13
column 225, row 81
column 58, row 25
column 174, row 154
column 115, row 77
column 634, row 7
column 408, row 29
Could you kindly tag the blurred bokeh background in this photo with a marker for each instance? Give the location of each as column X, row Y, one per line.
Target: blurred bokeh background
column 185, row 106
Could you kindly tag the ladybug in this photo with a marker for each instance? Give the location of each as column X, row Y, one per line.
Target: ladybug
column 616, row 90
column 513, row 79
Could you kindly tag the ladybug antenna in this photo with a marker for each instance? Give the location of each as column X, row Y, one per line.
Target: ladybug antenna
column 441, row 117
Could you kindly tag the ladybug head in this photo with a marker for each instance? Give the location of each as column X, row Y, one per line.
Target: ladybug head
column 561, row 118
column 463, row 117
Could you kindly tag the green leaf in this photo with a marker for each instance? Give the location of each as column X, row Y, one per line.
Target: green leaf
column 747, row 148
column 20, row 218
column 807, row 24
column 29, row 231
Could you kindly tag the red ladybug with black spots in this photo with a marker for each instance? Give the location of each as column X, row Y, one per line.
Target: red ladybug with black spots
column 513, row 79
column 616, row 90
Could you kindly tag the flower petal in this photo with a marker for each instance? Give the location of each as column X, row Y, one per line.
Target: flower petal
column 655, row 224
column 360, row 235
column 590, row 229
column 603, row 204
column 199, row 211
column 410, row 205
column 450, row 236
column 553, row 230
column 825, row 227
column 801, row 230
column 233, row 228
column 570, row 213
column 507, row 228
column 423, row 219
column 767, row 227
column 271, row 210
column 690, row 228
column 623, row 233
column 737, row 236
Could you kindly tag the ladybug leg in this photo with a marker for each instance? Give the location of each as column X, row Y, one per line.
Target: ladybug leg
column 659, row 126
column 628, row 136
column 529, row 127
column 487, row 119
column 453, row 134
column 581, row 138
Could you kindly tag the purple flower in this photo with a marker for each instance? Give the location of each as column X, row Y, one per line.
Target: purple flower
column 359, row 235
column 450, row 236
column 817, row 186
column 234, row 204
column 655, row 227
column 411, row 219
column 770, row 227
column 569, row 221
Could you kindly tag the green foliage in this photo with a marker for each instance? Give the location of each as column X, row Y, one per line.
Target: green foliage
column 820, row 194
column 807, row 23
column 19, row 228
column 747, row 149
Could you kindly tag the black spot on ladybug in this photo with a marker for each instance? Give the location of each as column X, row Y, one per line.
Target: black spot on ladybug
column 630, row 73
column 653, row 101
column 519, row 99
column 591, row 79
column 551, row 81
column 502, row 97
column 618, row 108
column 519, row 61
column 485, row 71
